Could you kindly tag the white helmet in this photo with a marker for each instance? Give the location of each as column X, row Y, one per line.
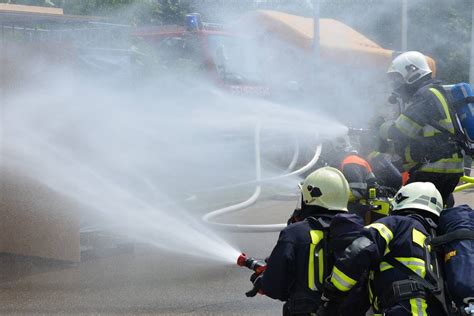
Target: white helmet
column 418, row 196
column 408, row 68
column 327, row 188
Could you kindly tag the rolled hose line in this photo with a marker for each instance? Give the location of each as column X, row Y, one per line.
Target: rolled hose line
column 292, row 164
column 256, row 228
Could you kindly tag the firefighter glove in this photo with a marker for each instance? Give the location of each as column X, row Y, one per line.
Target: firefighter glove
column 256, row 280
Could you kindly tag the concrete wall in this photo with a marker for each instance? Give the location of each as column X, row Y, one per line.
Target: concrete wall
column 36, row 221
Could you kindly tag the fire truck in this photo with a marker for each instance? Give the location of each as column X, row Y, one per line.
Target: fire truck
column 224, row 57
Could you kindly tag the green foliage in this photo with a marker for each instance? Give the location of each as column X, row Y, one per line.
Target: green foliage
column 442, row 29
column 438, row 28
column 173, row 11
column 134, row 12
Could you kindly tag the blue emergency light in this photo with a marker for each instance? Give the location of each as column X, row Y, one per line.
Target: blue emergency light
column 193, row 22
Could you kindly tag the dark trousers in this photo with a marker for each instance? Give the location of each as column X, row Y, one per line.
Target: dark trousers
column 444, row 182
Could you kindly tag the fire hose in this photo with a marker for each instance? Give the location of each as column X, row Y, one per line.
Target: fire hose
column 209, row 217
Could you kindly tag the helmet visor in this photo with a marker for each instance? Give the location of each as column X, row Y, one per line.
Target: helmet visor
column 396, row 80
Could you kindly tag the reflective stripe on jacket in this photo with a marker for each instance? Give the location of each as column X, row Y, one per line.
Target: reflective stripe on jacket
column 414, row 123
column 402, row 238
column 296, row 267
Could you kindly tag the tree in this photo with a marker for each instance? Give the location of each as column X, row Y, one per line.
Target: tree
column 173, row 11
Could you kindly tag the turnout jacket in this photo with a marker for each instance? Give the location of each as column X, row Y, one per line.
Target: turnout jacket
column 294, row 273
column 400, row 237
column 420, row 144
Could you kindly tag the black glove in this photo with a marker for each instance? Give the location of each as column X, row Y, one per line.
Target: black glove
column 256, row 280
column 332, row 293
column 328, row 308
column 331, row 300
column 394, row 98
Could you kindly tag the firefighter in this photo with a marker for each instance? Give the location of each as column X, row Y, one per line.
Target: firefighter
column 398, row 238
column 356, row 170
column 300, row 261
column 421, row 134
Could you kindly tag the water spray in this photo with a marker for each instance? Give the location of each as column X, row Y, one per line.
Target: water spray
column 207, row 218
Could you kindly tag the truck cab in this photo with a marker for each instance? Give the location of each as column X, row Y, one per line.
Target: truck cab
column 226, row 58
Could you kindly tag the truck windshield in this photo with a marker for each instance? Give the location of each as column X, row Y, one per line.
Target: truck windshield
column 235, row 59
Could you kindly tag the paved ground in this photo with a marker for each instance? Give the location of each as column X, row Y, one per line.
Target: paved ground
column 146, row 281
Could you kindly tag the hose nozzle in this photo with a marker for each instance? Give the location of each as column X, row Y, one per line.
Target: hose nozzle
column 251, row 263
column 242, row 259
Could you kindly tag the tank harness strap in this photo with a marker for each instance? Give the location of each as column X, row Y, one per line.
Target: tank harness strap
column 306, row 300
column 460, row 234
column 320, row 262
column 411, row 274
column 458, row 135
column 401, row 289
column 460, row 103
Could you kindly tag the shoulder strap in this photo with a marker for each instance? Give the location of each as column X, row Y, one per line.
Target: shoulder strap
column 410, row 273
column 459, row 234
column 458, row 135
column 460, row 103
column 436, row 291
column 321, row 222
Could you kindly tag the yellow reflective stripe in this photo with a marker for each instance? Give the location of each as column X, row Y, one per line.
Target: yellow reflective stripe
column 448, row 125
column 371, row 295
column 407, row 126
column 408, row 157
column 418, row 237
column 316, row 237
column 352, row 198
column 448, row 165
column 385, row 232
column 384, row 266
column 417, row 265
column 341, row 281
column 429, row 131
column 418, row 307
column 372, row 298
column 447, row 122
column 414, row 260
column 372, row 155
